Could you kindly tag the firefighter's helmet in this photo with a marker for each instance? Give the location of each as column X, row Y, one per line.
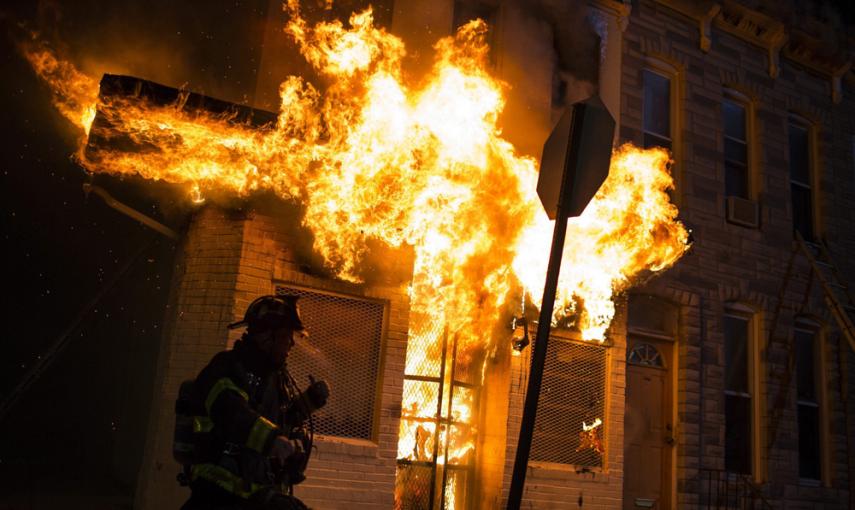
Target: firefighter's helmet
column 271, row 312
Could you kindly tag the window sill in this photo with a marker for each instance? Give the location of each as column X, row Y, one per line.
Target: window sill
column 345, row 445
column 552, row 470
column 810, row 482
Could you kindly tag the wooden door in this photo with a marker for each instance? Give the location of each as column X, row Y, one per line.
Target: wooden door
column 648, row 434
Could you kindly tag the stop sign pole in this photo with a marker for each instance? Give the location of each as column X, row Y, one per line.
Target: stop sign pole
column 574, row 164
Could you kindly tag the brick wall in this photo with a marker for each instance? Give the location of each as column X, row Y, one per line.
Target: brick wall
column 730, row 263
column 200, row 307
column 344, row 472
column 550, row 485
column 229, row 259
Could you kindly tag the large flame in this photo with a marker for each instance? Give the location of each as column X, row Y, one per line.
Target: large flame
column 373, row 158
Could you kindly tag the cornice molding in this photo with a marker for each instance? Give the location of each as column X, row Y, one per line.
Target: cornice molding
column 767, row 33
column 700, row 11
column 817, row 57
column 755, row 28
column 619, row 10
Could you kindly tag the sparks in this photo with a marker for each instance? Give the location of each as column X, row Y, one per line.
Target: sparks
column 372, row 158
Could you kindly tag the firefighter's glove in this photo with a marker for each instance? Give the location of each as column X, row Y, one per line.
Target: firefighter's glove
column 284, row 449
column 317, row 394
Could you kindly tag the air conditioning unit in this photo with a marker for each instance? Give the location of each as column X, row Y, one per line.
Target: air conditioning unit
column 743, row 212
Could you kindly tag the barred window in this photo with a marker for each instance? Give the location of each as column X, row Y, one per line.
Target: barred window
column 573, row 393
column 343, row 348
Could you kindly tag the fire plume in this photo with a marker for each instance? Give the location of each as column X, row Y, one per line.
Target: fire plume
column 74, row 93
column 374, row 158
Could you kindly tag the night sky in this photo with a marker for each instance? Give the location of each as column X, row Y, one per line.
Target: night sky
column 78, row 430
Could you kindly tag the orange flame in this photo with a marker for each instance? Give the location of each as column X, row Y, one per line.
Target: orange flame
column 375, row 159
column 74, row 93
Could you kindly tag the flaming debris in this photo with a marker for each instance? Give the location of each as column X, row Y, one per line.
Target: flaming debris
column 373, row 158
column 589, row 438
column 75, row 95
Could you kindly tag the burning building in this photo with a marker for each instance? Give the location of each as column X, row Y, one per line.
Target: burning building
column 397, row 198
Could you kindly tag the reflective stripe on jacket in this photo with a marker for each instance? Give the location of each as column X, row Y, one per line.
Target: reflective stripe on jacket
column 238, row 410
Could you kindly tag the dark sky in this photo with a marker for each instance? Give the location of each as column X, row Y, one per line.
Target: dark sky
column 83, row 421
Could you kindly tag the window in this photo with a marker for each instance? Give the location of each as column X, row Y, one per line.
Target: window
column 573, row 393
column 346, row 333
column 656, row 110
column 737, row 177
column 801, row 193
column 738, row 392
column 645, row 354
column 807, row 401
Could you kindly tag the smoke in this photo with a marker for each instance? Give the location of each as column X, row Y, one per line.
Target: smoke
column 549, row 57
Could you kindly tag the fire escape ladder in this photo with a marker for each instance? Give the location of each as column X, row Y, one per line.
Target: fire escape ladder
column 835, row 291
column 783, row 377
column 840, row 304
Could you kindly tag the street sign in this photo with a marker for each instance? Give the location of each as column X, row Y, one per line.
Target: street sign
column 586, row 162
column 575, row 163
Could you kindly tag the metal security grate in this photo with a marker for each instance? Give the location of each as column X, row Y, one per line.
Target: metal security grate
column 413, row 486
column 436, row 442
column 573, row 392
column 345, row 336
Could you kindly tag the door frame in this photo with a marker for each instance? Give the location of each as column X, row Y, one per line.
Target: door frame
column 667, row 347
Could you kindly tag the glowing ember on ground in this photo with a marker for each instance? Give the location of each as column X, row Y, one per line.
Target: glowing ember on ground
column 372, row 158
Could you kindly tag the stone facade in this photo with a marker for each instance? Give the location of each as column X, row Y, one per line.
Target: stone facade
column 752, row 266
column 230, row 257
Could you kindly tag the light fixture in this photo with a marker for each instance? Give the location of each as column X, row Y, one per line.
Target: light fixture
column 520, row 339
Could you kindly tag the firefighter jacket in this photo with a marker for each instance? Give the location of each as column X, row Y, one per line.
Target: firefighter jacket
column 238, row 400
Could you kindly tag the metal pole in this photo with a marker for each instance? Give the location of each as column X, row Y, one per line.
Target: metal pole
column 538, row 361
column 438, row 421
column 448, row 421
column 575, row 151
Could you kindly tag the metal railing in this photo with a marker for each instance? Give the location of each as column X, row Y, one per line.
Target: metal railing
column 724, row 490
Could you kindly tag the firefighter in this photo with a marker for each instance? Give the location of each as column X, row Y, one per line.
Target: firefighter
column 248, row 444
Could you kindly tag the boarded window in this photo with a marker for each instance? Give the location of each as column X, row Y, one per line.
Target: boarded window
column 573, row 393
column 800, row 177
column 807, row 395
column 736, row 175
column 343, row 348
column 737, row 395
column 656, row 110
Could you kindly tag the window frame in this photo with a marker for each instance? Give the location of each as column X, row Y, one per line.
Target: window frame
column 669, row 137
column 673, row 71
column 321, row 290
column 754, row 371
column 566, row 337
column 802, row 122
column 747, row 103
column 814, row 328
